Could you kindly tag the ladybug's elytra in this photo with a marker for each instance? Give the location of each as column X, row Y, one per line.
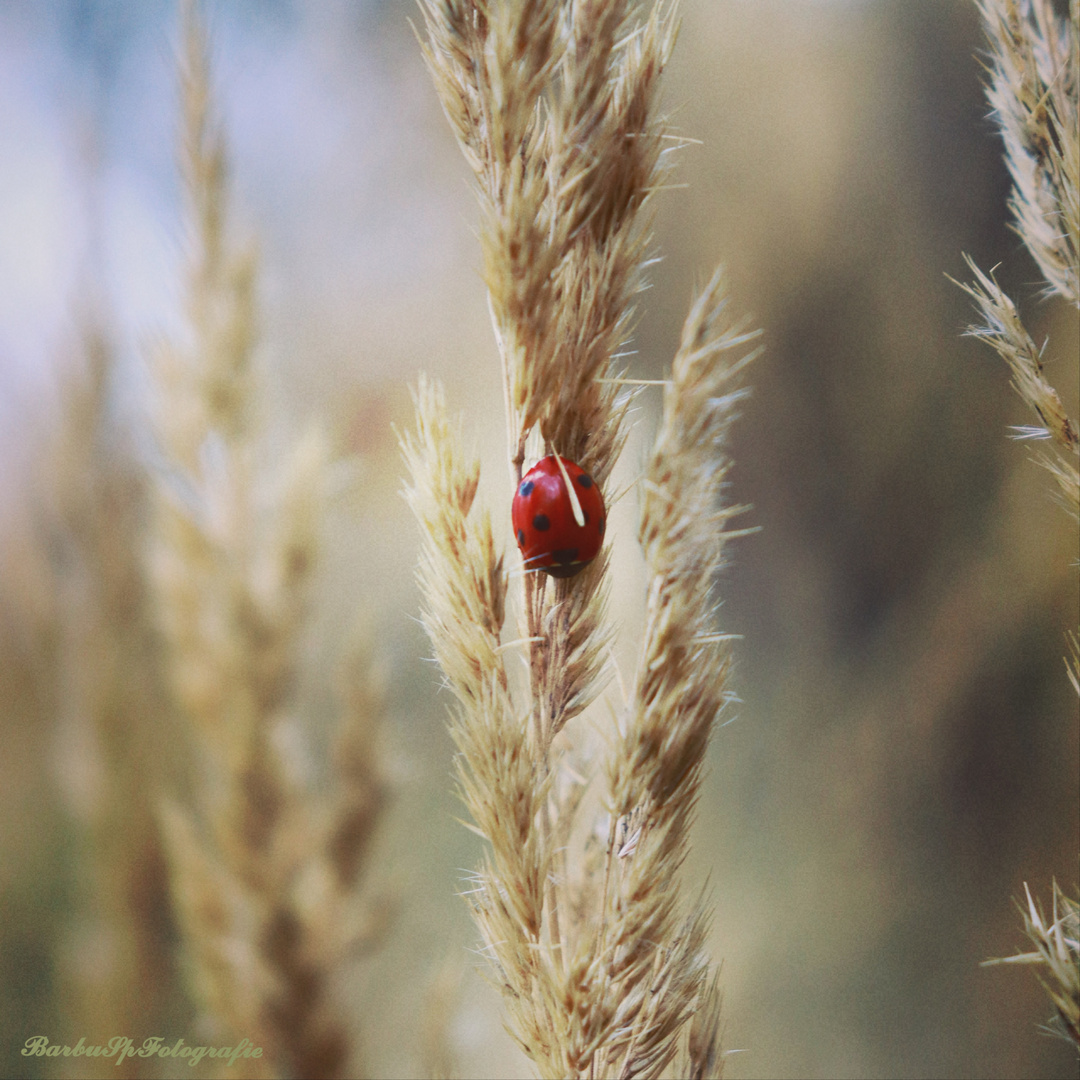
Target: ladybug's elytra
column 555, row 535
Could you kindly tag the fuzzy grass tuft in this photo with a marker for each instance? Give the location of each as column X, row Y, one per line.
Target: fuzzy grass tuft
column 1057, row 944
column 600, row 957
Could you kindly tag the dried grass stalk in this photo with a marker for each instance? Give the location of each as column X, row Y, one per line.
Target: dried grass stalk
column 1057, row 944
column 117, row 958
column 600, row 959
column 1034, row 79
column 1034, row 74
column 1003, row 330
column 264, row 875
column 553, row 106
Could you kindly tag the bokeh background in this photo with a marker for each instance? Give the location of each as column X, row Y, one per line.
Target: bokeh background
column 905, row 755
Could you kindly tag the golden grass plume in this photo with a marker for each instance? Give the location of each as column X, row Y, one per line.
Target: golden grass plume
column 1057, row 942
column 600, row 958
column 265, row 874
column 1034, row 79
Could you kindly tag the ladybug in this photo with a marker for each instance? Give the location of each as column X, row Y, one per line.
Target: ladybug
column 554, row 534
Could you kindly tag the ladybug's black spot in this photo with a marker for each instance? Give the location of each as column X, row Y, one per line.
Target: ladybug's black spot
column 585, row 480
column 600, row 527
column 541, row 522
column 565, row 555
column 526, row 488
column 521, row 538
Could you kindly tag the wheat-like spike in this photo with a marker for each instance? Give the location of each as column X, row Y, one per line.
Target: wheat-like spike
column 1034, row 74
column 566, row 153
column 464, row 587
column 491, row 64
column 681, row 674
column 551, row 106
column 619, row 1002
column 219, row 923
column 561, row 175
column 654, row 774
column 1034, row 81
column 265, row 875
column 1057, row 944
column 554, row 106
column 1057, row 947
column 1002, row 329
column 107, row 687
column 471, row 600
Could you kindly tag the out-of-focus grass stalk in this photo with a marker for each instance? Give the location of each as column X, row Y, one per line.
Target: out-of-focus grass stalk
column 264, row 874
column 1034, row 79
column 598, row 953
column 118, row 967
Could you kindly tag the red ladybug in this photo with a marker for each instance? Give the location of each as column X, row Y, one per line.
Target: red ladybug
column 555, row 535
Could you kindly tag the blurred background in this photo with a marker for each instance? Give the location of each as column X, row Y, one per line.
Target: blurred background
column 905, row 755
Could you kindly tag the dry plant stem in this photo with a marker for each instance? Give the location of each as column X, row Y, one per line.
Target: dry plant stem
column 1034, row 79
column 654, row 771
column 1034, row 73
column 264, row 875
column 1057, row 944
column 612, row 995
column 1002, row 329
column 107, row 682
column 464, row 587
column 553, row 105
